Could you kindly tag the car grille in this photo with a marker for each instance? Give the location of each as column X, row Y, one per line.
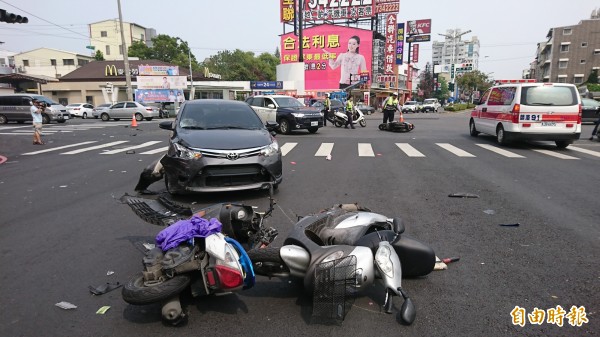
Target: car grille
column 231, row 175
column 230, row 154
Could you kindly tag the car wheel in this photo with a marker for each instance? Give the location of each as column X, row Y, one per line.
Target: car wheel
column 45, row 119
column 562, row 144
column 313, row 130
column 3, row 119
column 472, row 130
column 284, row 126
column 149, row 119
column 500, row 135
column 84, row 116
column 105, row 117
column 138, row 117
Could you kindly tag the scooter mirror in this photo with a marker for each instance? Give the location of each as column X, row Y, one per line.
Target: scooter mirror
column 398, row 225
column 408, row 312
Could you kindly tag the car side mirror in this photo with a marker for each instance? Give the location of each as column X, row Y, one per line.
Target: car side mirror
column 271, row 106
column 476, row 102
column 272, row 126
column 167, row 125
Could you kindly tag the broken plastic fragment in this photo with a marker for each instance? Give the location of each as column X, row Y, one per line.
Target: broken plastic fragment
column 103, row 310
column 510, row 224
column 149, row 246
column 489, row 211
column 104, row 288
column 463, row 195
column 110, row 272
column 66, row 305
column 328, row 157
column 293, row 163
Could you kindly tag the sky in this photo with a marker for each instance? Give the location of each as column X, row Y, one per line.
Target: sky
column 508, row 30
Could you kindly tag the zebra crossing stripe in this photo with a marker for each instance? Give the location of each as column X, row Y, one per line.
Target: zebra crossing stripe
column 365, row 150
column 57, row 148
column 555, row 154
column 409, row 150
column 324, row 150
column 500, row 151
column 96, row 147
column 287, row 147
column 125, row 149
column 586, row 151
column 160, row 149
column 454, row 150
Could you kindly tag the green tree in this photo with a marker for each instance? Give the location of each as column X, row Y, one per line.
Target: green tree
column 473, row 80
column 239, row 65
column 140, row 50
column 426, row 85
column 165, row 48
column 99, row 56
column 443, row 93
column 593, row 78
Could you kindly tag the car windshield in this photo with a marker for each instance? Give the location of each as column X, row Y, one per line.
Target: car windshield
column 429, row 101
column 219, row 116
column 287, row 102
column 410, row 103
column 549, row 95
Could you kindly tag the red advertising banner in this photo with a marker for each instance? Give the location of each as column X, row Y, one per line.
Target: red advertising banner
column 334, row 56
column 386, row 6
column 286, row 10
column 418, row 27
column 318, row 10
column 390, row 44
column 415, row 55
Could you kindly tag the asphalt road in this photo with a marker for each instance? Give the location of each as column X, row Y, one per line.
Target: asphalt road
column 63, row 228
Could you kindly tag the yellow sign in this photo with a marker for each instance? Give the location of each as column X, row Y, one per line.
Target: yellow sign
column 110, row 70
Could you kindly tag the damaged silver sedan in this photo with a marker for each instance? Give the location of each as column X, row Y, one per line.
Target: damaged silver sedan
column 220, row 145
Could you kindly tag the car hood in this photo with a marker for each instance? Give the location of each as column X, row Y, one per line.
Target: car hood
column 231, row 139
column 305, row 110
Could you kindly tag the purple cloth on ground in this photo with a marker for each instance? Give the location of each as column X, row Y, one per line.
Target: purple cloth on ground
column 183, row 230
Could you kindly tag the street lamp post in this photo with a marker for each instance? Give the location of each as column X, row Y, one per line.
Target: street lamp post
column 192, row 89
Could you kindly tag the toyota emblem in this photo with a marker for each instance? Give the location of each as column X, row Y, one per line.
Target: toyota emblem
column 232, row 156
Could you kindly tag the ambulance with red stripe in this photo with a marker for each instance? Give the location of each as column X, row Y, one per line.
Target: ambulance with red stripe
column 515, row 110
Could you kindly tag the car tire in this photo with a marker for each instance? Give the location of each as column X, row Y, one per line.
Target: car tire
column 472, row 130
column 3, row 119
column 500, row 135
column 284, row 126
column 105, row 117
column 84, row 116
column 313, row 129
column 562, row 144
column 138, row 117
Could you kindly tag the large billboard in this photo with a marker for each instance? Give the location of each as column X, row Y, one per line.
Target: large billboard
column 418, row 27
column 161, row 82
column 334, row 56
column 318, row 10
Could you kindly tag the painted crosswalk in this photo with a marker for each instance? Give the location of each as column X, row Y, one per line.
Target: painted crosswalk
column 25, row 130
column 362, row 150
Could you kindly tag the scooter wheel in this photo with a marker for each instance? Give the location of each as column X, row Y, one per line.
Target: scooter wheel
column 363, row 123
column 382, row 126
column 338, row 124
column 136, row 293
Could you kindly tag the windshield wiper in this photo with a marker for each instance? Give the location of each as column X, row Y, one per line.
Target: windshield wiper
column 228, row 127
column 193, row 127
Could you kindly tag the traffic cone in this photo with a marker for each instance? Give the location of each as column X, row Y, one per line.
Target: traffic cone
column 134, row 122
column 401, row 118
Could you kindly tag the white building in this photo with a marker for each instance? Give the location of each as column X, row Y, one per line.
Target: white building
column 455, row 50
column 105, row 36
column 49, row 62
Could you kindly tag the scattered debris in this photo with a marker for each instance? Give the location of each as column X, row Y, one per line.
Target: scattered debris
column 103, row 310
column 463, row 195
column 489, row 212
column 110, row 272
column 510, row 224
column 104, row 288
column 66, row 305
column 149, row 246
column 328, row 157
column 293, row 163
column 130, row 152
column 63, row 186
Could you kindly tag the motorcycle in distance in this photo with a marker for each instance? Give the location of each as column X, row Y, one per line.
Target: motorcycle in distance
column 340, row 251
column 215, row 264
column 340, row 118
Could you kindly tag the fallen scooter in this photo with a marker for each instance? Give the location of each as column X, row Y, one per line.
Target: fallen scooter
column 204, row 253
column 340, row 251
column 397, row 126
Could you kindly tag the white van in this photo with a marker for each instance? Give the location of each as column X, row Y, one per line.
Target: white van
column 525, row 110
column 16, row 108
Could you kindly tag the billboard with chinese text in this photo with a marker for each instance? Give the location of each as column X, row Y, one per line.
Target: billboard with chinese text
column 158, row 70
column 390, row 44
column 319, row 10
column 386, row 6
column 334, row 56
column 161, row 82
column 159, row 95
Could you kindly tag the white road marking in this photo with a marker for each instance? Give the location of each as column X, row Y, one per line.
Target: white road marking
column 125, row 149
column 324, row 150
column 453, row 149
column 287, row 147
column 409, row 150
column 160, row 149
column 96, row 147
column 500, row 151
column 57, row 148
column 555, row 154
column 365, row 150
column 586, row 151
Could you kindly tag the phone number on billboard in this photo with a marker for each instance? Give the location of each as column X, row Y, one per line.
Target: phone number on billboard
column 312, row 4
column 315, row 66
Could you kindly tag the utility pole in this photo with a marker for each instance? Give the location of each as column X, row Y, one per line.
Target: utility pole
column 300, row 36
column 125, row 56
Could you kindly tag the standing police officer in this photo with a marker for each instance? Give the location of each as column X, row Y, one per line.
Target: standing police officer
column 389, row 107
column 349, row 112
column 327, row 109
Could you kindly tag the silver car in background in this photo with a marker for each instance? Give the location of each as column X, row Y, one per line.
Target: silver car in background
column 99, row 109
column 130, row 110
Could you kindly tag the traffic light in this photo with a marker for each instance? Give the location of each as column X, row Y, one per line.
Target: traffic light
column 451, row 87
column 12, row 18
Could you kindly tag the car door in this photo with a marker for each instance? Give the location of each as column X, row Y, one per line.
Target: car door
column 257, row 104
column 271, row 113
column 130, row 110
column 497, row 108
column 116, row 110
column 88, row 109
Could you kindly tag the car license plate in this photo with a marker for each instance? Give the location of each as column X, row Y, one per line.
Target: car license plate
column 66, row 116
column 548, row 123
column 314, row 123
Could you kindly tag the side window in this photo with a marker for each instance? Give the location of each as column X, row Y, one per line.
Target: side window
column 118, row 106
column 89, row 106
column 268, row 101
column 25, row 101
column 131, row 105
column 485, row 96
column 502, row 96
column 258, row 101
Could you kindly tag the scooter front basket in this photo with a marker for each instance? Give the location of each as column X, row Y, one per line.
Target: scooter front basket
column 334, row 290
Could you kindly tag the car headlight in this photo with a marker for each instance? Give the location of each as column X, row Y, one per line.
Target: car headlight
column 298, row 114
column 384, row 262
column 270, row 150
column 185, row 153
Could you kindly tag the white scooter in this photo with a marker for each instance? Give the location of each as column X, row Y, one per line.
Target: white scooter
column 340, row 118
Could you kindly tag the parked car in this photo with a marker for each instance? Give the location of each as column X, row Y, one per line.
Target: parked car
column 590, row 110
column 220, row 145
column 411, row 106
column 127, row 110
column 15, row 108
column 366, row 109
column 99, row 109
column 82, row 110
column 431, row 104
column 287, row 112
column 336, row 105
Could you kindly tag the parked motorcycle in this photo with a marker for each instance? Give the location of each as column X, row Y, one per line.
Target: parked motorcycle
column 340, row 251
column 397, row 126
column 204, row 253
column 340, row 118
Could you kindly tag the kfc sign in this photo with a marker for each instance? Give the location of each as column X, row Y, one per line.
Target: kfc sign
column 418, row 27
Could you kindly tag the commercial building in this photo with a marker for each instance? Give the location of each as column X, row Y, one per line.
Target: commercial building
column 569, row 54
column 455, row 50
